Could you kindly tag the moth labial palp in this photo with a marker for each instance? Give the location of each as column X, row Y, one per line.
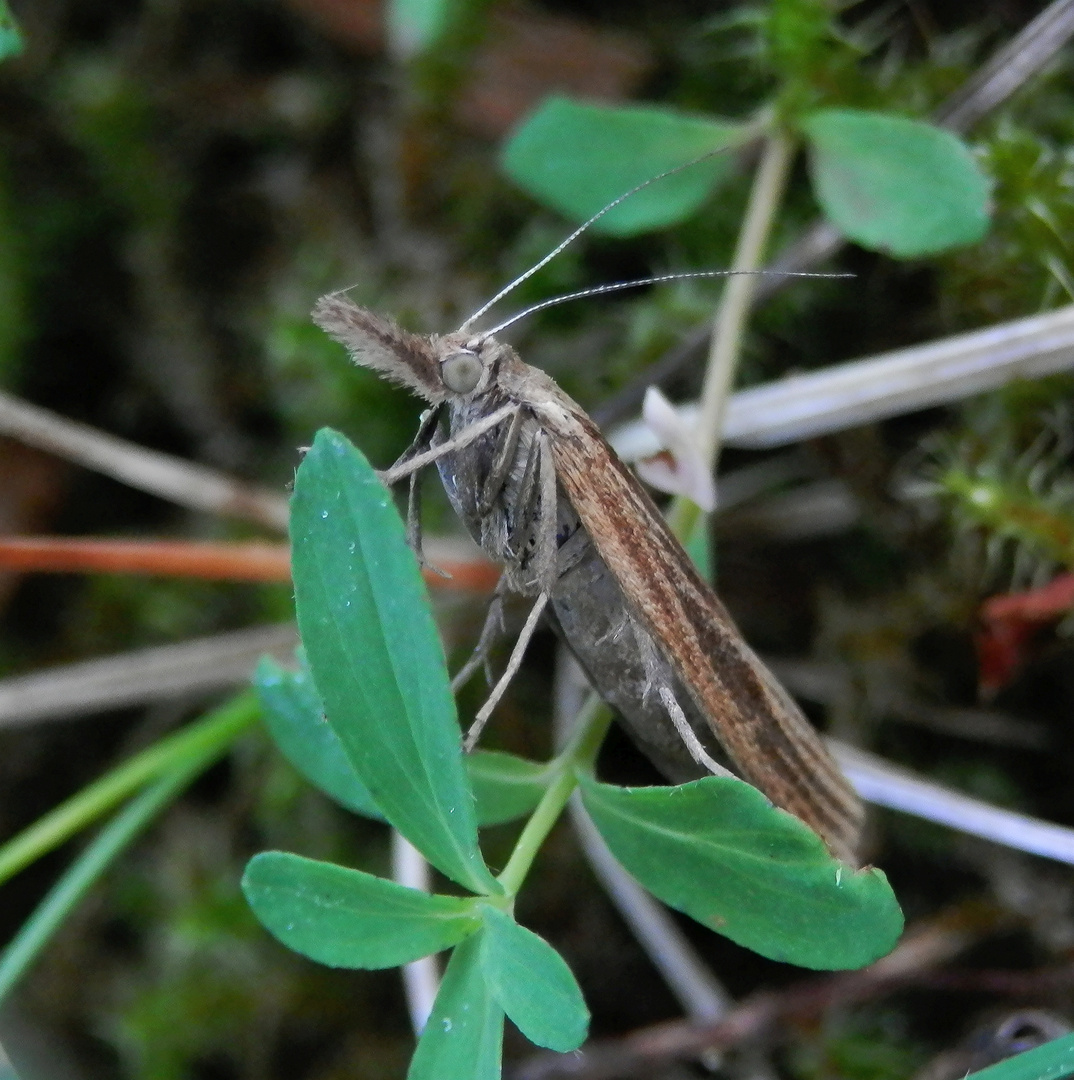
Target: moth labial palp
column 546, row 497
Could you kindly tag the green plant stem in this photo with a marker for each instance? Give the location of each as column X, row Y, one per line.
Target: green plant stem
column 77, row 880
column 208, row 736
column 579, row 753
column 766, row 196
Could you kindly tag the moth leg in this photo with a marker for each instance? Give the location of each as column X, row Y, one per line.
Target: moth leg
column 513, row 665
column 519, row 531
column 686, row 733
column 478, row 428
column 536, row 513
column 524, row 509
column 492, row 629
column 546, row 551
column 413, row 526
column 537, row 521
column 413, row 517
column 501, row 464
column 422, row 440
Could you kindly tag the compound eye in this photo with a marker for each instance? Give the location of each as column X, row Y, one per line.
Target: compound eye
column 461, row 372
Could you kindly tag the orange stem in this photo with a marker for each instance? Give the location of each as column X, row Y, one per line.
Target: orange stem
column 219, row 561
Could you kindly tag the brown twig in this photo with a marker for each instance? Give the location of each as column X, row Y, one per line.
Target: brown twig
column 1032, row 49
column 204, row 665
column 767, row 1014
column 186, row 483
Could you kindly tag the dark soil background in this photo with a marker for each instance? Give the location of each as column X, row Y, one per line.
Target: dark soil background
column 180, row 180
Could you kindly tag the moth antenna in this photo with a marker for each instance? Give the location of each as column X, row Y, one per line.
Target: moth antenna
column 512, row 285
column 619, row 286
column 345, row 289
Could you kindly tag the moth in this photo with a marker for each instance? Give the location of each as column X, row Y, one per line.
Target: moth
column 543, row 493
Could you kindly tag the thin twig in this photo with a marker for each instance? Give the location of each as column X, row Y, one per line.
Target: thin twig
column 460, row 563
column 884, row 784
column 765, row 1015
column 877, row 387
column 1010, row 68
column 195, row 486
column 689, row 978
column 202, row 666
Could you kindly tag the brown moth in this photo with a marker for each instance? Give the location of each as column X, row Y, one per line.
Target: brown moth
column 544, row 494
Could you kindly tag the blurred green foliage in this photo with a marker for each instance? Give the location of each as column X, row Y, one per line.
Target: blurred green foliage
column 11, row 39
column 872, row 1045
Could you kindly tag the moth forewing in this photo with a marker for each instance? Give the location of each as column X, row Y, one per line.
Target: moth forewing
column 764, row 732
column 623, row 593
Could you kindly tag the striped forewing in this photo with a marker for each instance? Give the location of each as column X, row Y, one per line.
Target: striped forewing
column 761, row 728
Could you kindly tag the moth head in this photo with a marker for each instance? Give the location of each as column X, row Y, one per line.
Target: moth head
column 468, row 364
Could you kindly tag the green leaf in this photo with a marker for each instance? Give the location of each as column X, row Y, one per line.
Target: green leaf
column 414, row 26
column 505, row 786
column 799, row 37
column 463, row 1039
column 896, row 185
column 719, row 851
column 376, row 659
column 532, row 983
column 1052, row 1061
column 11, row 41
column 296, row 721
column 577, row 158
column 346, row 918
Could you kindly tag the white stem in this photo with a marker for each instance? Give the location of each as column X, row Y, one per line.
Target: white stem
column 421, row 978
